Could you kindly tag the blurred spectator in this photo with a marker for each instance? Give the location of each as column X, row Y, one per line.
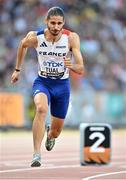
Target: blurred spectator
column 100, row 24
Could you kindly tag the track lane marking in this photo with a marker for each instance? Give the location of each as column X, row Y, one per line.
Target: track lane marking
column 38, row 168
column 105, row 174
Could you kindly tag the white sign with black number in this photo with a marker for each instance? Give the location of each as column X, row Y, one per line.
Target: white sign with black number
column 95, row 143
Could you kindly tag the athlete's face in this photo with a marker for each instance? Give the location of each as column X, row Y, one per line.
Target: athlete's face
column 55, row 24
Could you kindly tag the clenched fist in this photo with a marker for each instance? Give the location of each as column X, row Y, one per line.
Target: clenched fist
column 67, row 63
column 15, row 77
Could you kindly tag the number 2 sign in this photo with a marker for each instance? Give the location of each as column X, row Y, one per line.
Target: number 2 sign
column 95, row 143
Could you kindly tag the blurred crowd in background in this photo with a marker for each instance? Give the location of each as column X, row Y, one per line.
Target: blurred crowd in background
column 101, row 25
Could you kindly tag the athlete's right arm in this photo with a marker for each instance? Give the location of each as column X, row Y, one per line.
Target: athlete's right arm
column 29, row 41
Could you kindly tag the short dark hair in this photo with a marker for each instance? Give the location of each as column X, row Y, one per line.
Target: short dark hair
column 55, row 11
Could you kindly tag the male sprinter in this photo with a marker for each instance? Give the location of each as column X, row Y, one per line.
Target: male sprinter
column 51, row 87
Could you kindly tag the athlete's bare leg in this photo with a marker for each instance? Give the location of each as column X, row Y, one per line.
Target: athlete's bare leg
column 38, row 128
column 56, row 127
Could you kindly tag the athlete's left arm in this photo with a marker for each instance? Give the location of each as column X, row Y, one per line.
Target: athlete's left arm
column 78, row 65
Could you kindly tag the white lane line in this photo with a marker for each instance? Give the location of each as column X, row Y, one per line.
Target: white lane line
column 22, row 162
column 105, row 174
column 44, row 160
column 38, row 168
column 50, row 161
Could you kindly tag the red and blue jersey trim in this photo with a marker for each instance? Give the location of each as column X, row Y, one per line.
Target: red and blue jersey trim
column 65, row 31
column 40, row 32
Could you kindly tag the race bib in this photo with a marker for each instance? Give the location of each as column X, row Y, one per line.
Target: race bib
column 52, row 69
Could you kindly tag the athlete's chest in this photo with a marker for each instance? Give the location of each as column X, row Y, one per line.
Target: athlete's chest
column 57, row 49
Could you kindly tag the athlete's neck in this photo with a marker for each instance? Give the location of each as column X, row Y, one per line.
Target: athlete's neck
column 50, row 37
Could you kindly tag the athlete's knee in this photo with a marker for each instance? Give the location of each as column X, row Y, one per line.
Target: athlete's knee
column 42, row 110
